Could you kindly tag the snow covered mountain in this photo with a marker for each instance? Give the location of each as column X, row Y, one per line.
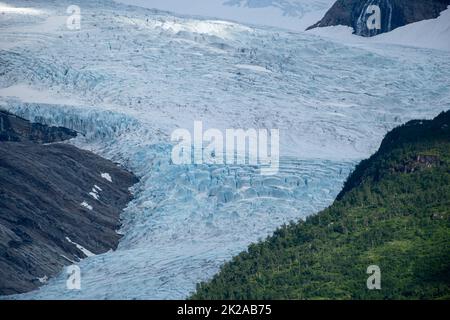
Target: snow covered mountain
column 430, row 34
column 392, row 14
column 290, row 14
column 130, row 76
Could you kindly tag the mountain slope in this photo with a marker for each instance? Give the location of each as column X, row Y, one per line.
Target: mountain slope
column 55, row 205
column 393, row 212
column 394, row 14
column 136, row 75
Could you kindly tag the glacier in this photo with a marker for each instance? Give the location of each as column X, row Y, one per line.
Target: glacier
column 294, row 15
column 130, row 76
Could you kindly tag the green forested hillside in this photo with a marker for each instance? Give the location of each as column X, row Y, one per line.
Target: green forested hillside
column 394, row 212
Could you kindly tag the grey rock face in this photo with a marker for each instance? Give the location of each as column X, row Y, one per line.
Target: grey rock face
column 13, row 128
column 42, row 189
column 393, row 14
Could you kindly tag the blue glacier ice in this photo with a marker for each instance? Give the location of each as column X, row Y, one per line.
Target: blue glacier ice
column 131, row 76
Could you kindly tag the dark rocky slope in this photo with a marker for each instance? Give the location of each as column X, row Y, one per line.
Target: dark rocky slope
column 42, row 188
column 394, row 14
column 13, row 128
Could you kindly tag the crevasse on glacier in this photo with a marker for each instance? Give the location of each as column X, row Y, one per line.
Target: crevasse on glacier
column 131, row 76
column 187, row 220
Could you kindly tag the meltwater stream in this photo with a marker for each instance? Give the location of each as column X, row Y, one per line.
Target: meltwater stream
column 131, row 76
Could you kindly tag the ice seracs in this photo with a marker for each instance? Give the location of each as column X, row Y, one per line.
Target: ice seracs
column 133, row 84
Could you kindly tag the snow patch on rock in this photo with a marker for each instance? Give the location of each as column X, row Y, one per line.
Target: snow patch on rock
column 86, row 205
column 106, row 176
column 85, row 251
